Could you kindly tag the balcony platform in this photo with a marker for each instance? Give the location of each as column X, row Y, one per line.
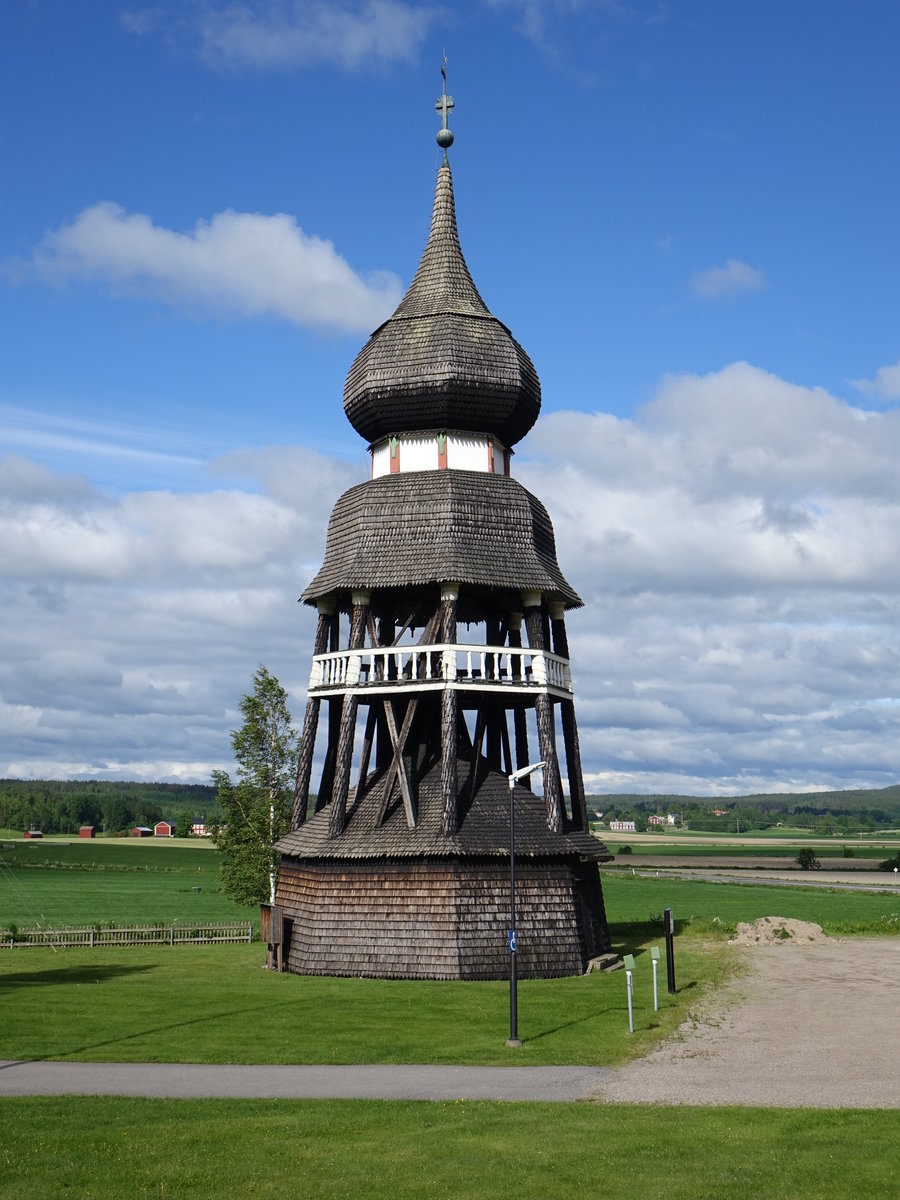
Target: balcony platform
column 460, row 666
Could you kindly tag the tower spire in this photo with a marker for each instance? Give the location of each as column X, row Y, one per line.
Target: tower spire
column 444, row 104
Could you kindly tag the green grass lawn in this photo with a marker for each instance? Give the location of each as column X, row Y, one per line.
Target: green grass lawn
column 55, row 883
column 217, row 1004
column 110, row 1148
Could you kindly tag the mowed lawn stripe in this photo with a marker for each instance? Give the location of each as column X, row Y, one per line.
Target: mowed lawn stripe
column 109, row 1148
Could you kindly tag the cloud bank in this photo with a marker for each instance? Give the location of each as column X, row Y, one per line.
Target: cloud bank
column 735, row 546
column 236, row 263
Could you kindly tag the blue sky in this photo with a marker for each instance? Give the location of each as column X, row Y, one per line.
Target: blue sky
column 686, row 213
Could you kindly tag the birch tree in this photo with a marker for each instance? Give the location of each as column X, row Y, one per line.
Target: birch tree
column 256, row 806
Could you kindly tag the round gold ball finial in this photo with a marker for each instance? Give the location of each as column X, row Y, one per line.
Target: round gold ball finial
column 444, row 104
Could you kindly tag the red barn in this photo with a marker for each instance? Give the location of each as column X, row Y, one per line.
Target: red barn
column 164, row 829
column 86, row 831
column 141, row 831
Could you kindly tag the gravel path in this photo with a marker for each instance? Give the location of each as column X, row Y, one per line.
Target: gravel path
column 811, row 1025
column 808, row 1025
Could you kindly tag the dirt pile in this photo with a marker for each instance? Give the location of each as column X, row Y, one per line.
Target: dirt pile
column 776, row 931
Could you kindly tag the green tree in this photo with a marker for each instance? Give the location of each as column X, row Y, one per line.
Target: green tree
column 807, row 859
column 256, row 807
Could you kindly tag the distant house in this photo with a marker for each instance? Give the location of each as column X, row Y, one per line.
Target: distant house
column 86, row 831
column 670, row 818
column 164, row 829
column 33, row 833
column 622, row 827
column 140, row 831
column 199, row 827
column 656, row 820
column 720, row 812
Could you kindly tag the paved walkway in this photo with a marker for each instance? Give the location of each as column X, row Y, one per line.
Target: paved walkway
column 295, row 1082
column 809, row 1025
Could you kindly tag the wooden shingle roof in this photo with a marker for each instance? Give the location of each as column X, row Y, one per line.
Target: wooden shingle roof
column 484, row 829
column 427, row 527
column 442, row 361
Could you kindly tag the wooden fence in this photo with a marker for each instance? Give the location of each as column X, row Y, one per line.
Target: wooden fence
column 130, row 935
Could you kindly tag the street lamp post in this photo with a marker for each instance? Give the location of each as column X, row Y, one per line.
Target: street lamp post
column 513, row 1039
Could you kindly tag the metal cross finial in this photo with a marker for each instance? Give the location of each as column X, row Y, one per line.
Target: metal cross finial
column 444, row 104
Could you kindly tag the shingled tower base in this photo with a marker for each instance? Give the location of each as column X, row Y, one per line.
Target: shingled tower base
column 403, row 868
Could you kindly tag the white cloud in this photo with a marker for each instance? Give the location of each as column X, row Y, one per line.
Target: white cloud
column 283, row 34
column 735, row 546
column 236, row 263
column 885, row 385
column 735, row 276
column 133, row 626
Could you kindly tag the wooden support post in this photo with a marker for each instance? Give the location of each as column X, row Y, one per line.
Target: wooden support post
column 569, row 725
column 304, row 762
column 310, row 724
column 338, row 817
column 492, row 713
column 504, row 738
column 472, row 782
column 323, row 797
column 383, row 749
column 397, row 769
column 520, row 723
column 366, row 751
column 449, row 717
column 543, row 706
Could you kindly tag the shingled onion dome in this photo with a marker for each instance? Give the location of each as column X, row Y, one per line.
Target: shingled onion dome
column 442, row 361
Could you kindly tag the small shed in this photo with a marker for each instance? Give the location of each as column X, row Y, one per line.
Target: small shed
column 164, row 829
column 141, row 831
column 33, row 833
column 86, row 831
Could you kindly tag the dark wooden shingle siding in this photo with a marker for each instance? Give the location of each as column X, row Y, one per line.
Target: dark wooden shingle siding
column 429, row 919
column 442, row 360
column 440, row 526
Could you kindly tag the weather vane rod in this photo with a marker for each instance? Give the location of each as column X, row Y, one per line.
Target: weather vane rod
column 444, row 104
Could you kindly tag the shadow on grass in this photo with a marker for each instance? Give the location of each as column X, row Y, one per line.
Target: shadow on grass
column 590, row 1017
column 204, row 1019
column 79, row 974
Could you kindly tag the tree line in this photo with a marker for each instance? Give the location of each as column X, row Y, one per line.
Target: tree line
column 827, row 812
column 63, row 806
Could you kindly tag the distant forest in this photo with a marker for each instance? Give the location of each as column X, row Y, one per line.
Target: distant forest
column 57, row 806
column 857, row 811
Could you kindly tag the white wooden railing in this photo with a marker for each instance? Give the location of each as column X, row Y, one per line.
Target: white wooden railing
column 518, row 668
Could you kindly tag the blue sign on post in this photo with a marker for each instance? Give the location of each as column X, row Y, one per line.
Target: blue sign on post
column 512, row 941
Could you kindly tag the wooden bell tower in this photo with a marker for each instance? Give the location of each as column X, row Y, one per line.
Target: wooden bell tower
column 442, row 662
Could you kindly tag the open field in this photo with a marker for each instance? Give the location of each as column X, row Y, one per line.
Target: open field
column 631, row 900
column 793, row 839
column 58, row 882
column 108, row 1149
column 215, row 1004
column 866, row 853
